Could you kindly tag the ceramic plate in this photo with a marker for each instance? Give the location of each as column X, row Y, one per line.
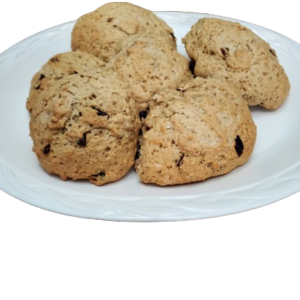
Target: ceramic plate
column 271, row 174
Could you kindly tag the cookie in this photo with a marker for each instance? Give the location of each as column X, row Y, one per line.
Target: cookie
column 150, row 65
column 202, row 131
column 103, row 31
column 86, row 127
column 229, row 50
column 57, row 67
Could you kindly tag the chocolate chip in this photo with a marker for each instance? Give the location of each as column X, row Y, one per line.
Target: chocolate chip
column 239, row 146
column 273, row 52
column 54, row 59
column 75, row 72
column 38, row 87
column 46, row 149
column 138, row 149
column 101, row 174
column 82, row 142
column 180, row 160
column 42, row 77
column 140, row 132
column 224, row 52
column 99, row 112
column 192, row 65
column 143, row 114
column 172, row 35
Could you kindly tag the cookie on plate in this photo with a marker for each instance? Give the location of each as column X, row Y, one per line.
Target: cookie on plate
column 229, row 50
column 57, row 67
column 150, row 64
column 202, row 131
column 103, row 31
column 86, row 127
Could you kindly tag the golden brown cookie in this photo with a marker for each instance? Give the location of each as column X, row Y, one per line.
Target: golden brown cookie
column 229, row 50
column 202, row 131
column 56, row 68
column 86, row 127
column 103, row 31
column 150, row 65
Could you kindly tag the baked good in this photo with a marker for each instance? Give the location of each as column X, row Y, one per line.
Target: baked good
column 57, row 67
column 226, row 49
column 103, row 31
column 202, row 131
column 150, row 64
column 86, row 127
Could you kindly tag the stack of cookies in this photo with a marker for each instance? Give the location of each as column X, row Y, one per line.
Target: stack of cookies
column 126, row 97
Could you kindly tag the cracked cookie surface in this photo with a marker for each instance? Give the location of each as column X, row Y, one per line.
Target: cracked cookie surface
column 86, row 127
column 202, row 131
column 226, row 49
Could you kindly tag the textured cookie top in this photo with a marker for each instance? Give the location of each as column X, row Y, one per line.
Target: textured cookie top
column 150, row 64
column 57, row 67
column 86, row 127
column 103, row 31
column 229, row 50
column 205, row 130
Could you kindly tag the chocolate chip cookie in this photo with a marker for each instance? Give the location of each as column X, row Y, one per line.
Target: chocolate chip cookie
column 229, row 50
column 86, row 127
column 203, row 130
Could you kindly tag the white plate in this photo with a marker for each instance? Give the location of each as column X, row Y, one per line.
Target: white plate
column 271, row 174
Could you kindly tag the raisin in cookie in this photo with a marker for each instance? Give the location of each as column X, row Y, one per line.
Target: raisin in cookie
column 202, row 131
column 150, row 64
column 103, row 31
column 86, row 127
column 57, row 67
column 229, row 50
